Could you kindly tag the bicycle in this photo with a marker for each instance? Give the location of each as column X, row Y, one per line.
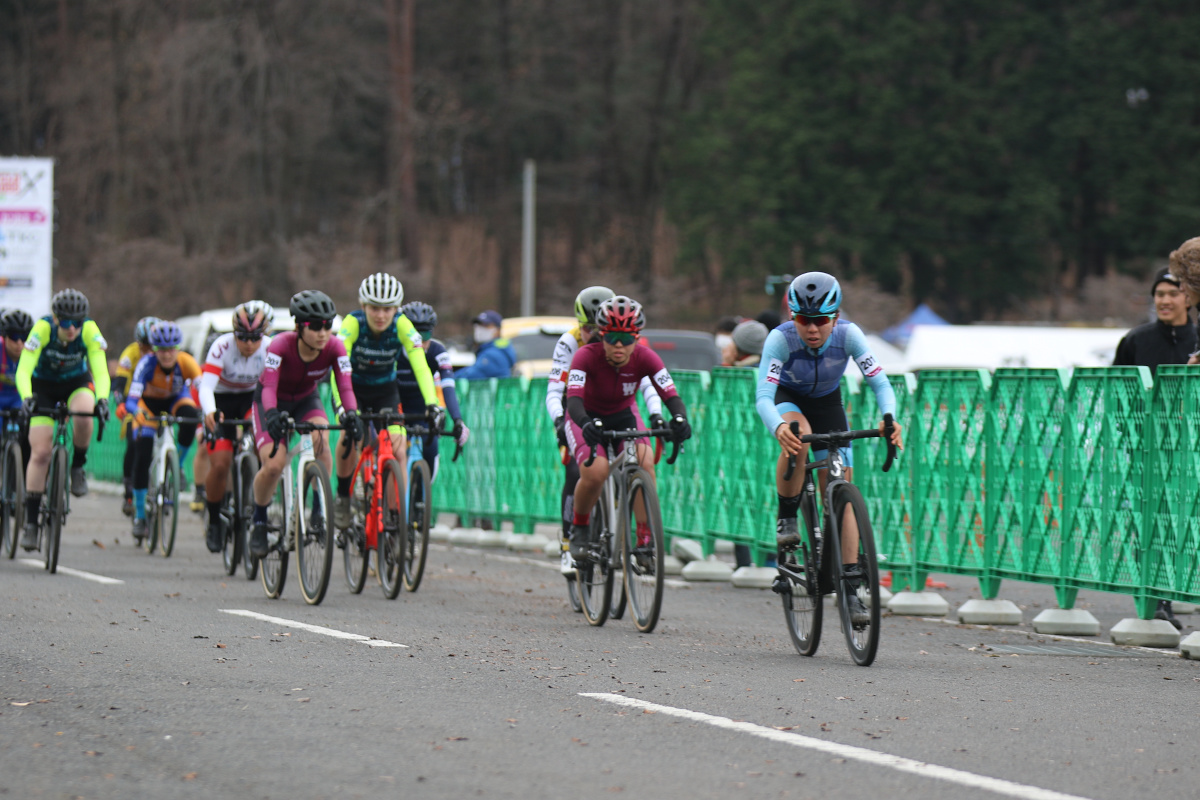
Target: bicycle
column 626, row 486
column 377, row 511
column 305, row 526
column 420, row 498
column 12, row 481
column 808, row 572
column 57, row 503
column 162, row 495
column 237, row 506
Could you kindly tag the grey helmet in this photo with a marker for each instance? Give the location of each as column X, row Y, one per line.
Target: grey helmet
column 588, row 301
column 815, row 294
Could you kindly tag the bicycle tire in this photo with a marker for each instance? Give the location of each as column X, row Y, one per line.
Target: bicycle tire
column 392, row 545
column 150, row 543
column 862, row 640
column 620, row 599
column 231, row 531
column 573, row 594
column 167, row 518
column 245, row 511
column 803, row 609
column 356, row 558
column 272, row 567
column 313, row 524
column 56, row 511
column 643, row 562
column 595, row 578
column 12, row 483
column 420, row 510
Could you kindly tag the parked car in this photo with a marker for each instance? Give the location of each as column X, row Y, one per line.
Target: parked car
column 683, row 349
column 534, row 338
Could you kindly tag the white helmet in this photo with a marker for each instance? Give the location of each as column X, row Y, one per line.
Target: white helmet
column 381, row 289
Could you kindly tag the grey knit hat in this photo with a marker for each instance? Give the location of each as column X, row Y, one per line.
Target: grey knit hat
column 749, row 336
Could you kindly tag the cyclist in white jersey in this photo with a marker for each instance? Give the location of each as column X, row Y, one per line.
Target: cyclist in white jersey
column 231, row 372
column 586, row 304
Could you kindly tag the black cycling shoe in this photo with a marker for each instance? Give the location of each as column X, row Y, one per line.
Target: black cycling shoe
column 139, row 530
column 787, row 535
column 79, row 486
column 854, row 578
column 29, row 537
column 579, row 542
column 258, row 539
column 1166, row 612
column 214, row 539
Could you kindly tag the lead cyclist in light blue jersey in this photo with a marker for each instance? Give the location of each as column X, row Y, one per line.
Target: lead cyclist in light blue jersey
column 799, row 378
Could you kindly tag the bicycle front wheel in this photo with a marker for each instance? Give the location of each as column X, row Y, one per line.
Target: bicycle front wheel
column 643, row 551
column 802, row 606
column 420, row 509
column 273, row 566
column 314, row 533
column 56, row 509
column 594, row 579
column 353, row 540
column 167, row 519
column 862, row 634
column 12, row 484
column 393, row 536
column 247, row 468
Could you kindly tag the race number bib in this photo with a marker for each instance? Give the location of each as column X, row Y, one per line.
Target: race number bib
column 576, row 379
column 869, row 366
column 273, row 361
column 774, row 371
column 344, row 365
column 664, row 380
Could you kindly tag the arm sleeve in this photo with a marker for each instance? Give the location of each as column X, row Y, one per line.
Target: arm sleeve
column 270, row 376
column 38, row 336
column 411, row 341
column 774, row 356
column 213, row 367
column 578, row 413
column 141, row 373
column 97, row 361
column 560, row 364
column 860, row 351
column 650, row 394
column 341, row 371
column 348, row 333
column 441, row 363
column 659, row 376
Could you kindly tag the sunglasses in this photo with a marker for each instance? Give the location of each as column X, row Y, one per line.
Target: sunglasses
column 426, row 335
column 248, row 337
column 167, row 349
column 618, row 337
column 66, row 324
column 820, row 322
column 320, row 325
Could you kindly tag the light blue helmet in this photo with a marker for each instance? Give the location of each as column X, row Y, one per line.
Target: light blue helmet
column 815, row 294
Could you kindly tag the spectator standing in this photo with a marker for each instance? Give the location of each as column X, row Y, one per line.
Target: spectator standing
column 745, row 345
column 494, row 356
column 723, row 332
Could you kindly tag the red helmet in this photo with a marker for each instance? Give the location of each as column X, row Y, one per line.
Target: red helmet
column 620, row 314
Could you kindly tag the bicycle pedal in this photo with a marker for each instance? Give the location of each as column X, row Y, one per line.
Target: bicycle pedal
column 781, row 585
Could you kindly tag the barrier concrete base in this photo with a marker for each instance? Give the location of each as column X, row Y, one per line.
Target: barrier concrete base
column 448, row 519
column 1067, row 622
column 707, row 571
column 468, row 537
column 507, row 526
column 989, row 612
column 526, row 542
column 753, row 577
column 686, row 550
column 1145, row 633
column 919, row 604
column 1180, row 607
column 672, row 565
column 548, row 529
column 440, row 532
column 493, row 538
column 885, row 596
column 1190, row 646
column 723, row 547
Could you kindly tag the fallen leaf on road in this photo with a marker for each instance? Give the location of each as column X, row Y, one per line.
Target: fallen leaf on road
column 219, row 645
column 173, row 594
column 303, row 699
column 785, row 727
column 456, row 738
column 98, row 543
column 191, row 776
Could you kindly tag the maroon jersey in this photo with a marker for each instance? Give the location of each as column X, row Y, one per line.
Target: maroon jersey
column 289, row 378
column 607, row 390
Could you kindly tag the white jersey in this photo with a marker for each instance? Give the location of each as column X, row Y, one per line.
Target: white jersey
column 227, row 372
column 564, row 351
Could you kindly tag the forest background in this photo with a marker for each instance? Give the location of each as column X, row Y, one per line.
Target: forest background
column 1025, row 160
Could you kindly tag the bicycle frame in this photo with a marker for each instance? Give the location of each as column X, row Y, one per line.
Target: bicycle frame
column 373, row 455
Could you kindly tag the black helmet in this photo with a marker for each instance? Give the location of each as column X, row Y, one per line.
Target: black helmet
column 311, row 306
column 69, row 304
column 421, row 315
column 16, row 324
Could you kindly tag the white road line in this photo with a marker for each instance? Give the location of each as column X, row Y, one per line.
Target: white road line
column 304, row 626
column 77, row 573
column 922, row 768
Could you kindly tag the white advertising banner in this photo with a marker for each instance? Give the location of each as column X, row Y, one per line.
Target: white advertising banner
column 26, row 233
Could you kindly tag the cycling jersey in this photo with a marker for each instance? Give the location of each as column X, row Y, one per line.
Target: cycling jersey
column 437, row 358
column 152, row 383
column 288, row 378
column 605, row 389
column 790, row 364
column 129, row 358
column 49, row 358
column 373, row 357
column 9, row 396
column 226, row 371
column 564, row 351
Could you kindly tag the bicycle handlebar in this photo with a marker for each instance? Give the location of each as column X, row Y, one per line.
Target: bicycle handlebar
column 59, row 413
column 840, row 438
column 307, row 427
column 414, row 421
column 614, row 436
column 211, row 436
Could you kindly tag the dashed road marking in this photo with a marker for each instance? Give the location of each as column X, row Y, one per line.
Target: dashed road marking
column 874, row 757
column 304, row 626
column 75, row 573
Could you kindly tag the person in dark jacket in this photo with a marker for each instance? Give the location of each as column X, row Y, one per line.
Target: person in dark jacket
column 1170, row 339
column 494, row 357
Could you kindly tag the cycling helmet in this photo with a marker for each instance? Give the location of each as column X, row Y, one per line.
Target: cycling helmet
column 588, row 301
column 69, row 304
column 253, row 316
column 165, row 334
column 620, row 314
column 311, row 306
column 141, row 331
column 815, row 294
column 381, row 289
column 16, row 324
column 421, row 315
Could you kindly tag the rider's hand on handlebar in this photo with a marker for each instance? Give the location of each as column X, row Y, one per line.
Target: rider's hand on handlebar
column 28, row 406
column 896, row 437
column 593, row 433
column 560, row 430
column 102, row 410
column 436, row 416
column 656, row 422
column 681, row 429
column 211, row 420
column 788, row 441
column 461, row 432
column 274, row 424
column 351, row 425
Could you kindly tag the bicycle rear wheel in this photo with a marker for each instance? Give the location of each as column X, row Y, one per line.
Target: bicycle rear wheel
column 420, row 509
column 56, row 507
column 594, row 579
column 12, row 507
column 167, row 519
column 353, row 541
column 231, row 528
column 643, row 559
column 802, row 606
column 862, row 638
column 314, row 533
column 391, row 553
column 248, row 468
column 273, row 566
column 150, row 543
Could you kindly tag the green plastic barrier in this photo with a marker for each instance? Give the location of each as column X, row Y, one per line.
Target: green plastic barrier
column 888, row 494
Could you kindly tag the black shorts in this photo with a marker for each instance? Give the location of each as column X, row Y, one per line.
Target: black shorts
column 51, row 393
column 233, row 405
column 824, row 414
column 377, row 396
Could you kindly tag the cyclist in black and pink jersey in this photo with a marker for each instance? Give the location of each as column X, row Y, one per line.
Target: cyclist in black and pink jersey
column 602, row 395
column 297, row 362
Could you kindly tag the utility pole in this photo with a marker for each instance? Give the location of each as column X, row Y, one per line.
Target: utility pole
column 403, row 190
column 528, row 255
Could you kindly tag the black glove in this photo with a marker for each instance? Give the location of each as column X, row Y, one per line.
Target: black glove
column 656, row 422
column 681, row 429
column 102, row 410
column 560, row 430
column 593, row 432
column 274, row 422
column 436, row 416
column 28, row 406
column 457, row 430
column 351, row 425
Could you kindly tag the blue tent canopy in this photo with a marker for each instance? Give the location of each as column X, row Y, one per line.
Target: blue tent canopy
column 901, row 332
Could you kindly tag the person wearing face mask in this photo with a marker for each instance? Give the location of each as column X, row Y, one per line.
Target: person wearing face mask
column 494, row 357
column 723, row 333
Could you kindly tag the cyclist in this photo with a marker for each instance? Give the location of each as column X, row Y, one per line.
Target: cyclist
column 129, row 358
column 296, row 362
column 15, row 325
column 161, row 384
column 63, row 362
column 200, row 460
column 232, row 368
column 424, row 320
column 799, row 379
column 601, row 394
column 585, row 332
column 375, row 336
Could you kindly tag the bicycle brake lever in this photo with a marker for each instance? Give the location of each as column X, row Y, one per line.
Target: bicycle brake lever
column 889, row 428
column 794, row 427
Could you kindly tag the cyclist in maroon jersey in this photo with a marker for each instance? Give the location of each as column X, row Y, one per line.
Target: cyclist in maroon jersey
column 297, row 362
column 602, row 395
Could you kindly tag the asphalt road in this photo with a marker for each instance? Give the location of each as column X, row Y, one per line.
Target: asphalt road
column 150, row 688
